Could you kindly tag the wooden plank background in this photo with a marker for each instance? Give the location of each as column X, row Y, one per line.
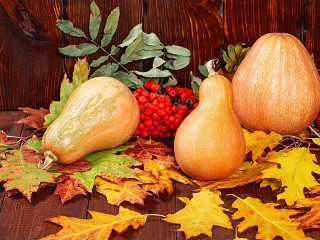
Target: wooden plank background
column 31, row 68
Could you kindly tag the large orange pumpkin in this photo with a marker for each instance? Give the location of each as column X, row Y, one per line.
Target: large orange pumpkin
column 277, row 86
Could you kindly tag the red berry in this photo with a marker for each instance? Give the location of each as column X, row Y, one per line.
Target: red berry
column 142, row 116
column 189, row 92
column 155, row 133
column 168, row 89
column 137, row 132
column 156, row 116
column 145, row 93
column 181, row 91
column 172, row 93
column 155, row 87
column 184, row 97
column 152, row 96
column 136, row 93
column 144, row 134
column 195, row 105
column 142, row 99
column 164, row 129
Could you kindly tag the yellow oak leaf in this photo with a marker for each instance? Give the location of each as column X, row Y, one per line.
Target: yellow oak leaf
column 248, row 174
column 200, row 214
column 295, row 173
column 99, row 226
column 311, row 219
column 271, row 222
column 258, row 141
column 116, row 193
column 316, row 141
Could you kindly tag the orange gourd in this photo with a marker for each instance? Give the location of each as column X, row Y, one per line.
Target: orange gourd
column 102, row 113
column 277, row 86
column 209, row 144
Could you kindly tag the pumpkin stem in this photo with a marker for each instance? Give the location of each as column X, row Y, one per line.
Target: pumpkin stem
column 212, row 65
column 49, row 157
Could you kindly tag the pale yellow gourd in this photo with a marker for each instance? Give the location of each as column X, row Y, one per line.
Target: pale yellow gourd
column 209, row 144
column 277, row 86
column 102, row 113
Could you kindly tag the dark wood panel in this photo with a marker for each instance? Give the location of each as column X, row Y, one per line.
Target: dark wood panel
column 79, row 11
column 196, row 25
column 312, row 36
column 245, row 21
column 30, row 68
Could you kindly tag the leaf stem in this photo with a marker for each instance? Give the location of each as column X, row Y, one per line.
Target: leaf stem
column 105, row 51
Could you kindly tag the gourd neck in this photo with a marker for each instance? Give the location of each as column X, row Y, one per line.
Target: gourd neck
column 49, row 158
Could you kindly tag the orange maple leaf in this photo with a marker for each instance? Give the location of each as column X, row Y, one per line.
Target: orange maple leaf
column 311, row 219
column 116, row 193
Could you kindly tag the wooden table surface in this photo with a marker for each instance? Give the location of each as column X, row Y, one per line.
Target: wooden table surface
column 20, row 219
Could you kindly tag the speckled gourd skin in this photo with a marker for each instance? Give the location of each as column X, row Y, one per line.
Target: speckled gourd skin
column 209, row 144
column 277, row 86
column 102, row 113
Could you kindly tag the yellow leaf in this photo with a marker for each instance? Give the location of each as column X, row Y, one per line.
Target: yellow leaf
column 271, row 222
column 295, row 173
column 312, row 218
column 200, row 214
column 98, row 227
column 248, row 174
column 258, row 141
column 116, row 193
column 316, row 141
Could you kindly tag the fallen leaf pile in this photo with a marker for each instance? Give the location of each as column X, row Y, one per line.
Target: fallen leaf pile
column 145, row 168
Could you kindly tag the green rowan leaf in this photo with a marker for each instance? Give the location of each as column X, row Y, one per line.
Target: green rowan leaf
column 154, row 73
column 114, row 50
column 94, row 21
column 79, row 50
column 157, row 62
column 105, row 70
column 67, row 27
column 144, row 54
column 203, row 70
column 133, row 50
column 110, row 26
column 133, row 35
column 172, row 81
column 178, row 63
column 99, row 61
column 152, row 39
column 178, row 50
column 195, row 85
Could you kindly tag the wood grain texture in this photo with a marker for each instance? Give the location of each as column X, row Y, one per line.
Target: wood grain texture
column 30, row 68
column 196, row 25
column 245, row 21
column 312, row 33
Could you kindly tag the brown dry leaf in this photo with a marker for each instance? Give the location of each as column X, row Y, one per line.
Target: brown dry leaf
column 200, row 214
column 144, row 150
column 35, row 118
column 99, row 226
column 258, row 141
column 311, row 219
column 271, row 222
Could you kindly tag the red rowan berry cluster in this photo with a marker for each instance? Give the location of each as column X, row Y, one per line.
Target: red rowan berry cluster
column 161, row 114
